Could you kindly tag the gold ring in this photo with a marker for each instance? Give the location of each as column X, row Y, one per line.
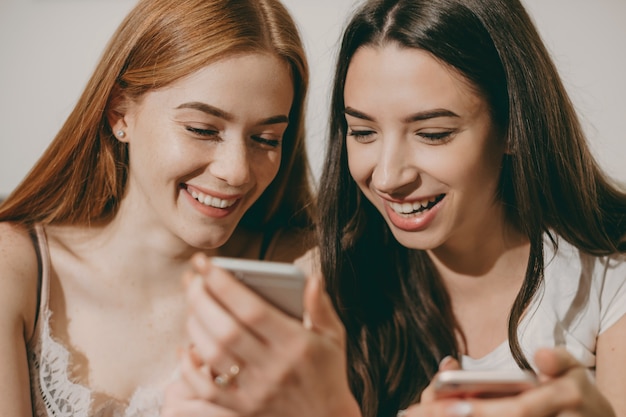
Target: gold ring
column 225, row 379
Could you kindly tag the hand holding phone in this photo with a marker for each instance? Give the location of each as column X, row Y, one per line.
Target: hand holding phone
column 482, row 384
column 281, row 284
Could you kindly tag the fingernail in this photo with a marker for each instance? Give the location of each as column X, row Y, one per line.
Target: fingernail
column 445, row 361
column 200, row 261
column 460, row 409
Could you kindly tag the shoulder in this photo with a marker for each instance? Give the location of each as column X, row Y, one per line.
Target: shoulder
column 17, row 251
column 575, row 279
column 19, row 277
column 568, row 259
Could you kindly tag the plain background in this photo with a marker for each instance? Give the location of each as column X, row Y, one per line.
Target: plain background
column 48, row 49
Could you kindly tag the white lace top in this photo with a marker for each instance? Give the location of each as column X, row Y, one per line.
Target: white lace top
column 53, row 393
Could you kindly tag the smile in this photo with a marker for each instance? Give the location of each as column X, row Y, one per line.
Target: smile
column 211, row 201
column 416, row 207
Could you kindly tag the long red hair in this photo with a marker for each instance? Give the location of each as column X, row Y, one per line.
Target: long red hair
column 81, row 177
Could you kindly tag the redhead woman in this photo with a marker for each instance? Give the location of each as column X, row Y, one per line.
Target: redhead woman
column 188, row 138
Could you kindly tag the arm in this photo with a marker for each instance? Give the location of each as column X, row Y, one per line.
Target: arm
column 611, row 365
column 18, row 304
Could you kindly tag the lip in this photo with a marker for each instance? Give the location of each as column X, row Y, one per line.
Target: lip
column 206, row 210
column 413, row 223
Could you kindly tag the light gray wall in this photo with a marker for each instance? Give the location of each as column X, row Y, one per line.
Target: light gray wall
column 48, row 49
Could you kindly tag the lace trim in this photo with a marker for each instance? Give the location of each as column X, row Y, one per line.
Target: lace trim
column 55, row 395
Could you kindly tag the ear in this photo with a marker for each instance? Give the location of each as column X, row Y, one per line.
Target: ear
column 116, row 114
column 118, row 125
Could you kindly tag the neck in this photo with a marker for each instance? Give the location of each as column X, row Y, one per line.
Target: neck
column 488, row 262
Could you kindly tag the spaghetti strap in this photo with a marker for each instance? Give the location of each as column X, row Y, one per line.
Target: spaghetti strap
column 40, row 243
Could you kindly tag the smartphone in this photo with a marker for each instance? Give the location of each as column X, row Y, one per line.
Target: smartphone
column 483, row 384
column 281, row 284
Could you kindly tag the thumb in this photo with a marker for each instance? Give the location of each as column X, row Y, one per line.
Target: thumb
column 554, row 362
column 448, row 363
column 319, row 313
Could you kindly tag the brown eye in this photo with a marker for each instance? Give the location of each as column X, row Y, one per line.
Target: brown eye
column 272, row 143
column 436, row 136
column 203, row 132
column 362, row 136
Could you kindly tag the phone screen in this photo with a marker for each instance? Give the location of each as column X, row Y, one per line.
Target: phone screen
column 279, row 283
column 483, row 384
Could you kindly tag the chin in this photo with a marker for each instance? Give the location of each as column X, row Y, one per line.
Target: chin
column 416, row 240
column 208, row 239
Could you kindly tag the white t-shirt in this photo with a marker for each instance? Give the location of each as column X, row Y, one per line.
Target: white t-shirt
column 581, row 297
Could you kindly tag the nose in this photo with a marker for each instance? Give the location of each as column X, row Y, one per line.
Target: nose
column 395, row 168
column 231, row 162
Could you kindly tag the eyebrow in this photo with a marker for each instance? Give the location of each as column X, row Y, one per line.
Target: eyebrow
column 214, row 111
column 423, row 115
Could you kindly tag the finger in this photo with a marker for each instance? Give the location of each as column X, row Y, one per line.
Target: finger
column 200, row 381
column 555, row 362
column 177, row 405
column 188, row 277
column 196, row 379
column 448, row 363
column 198, row 384
column 320, row 314
column 545, row 401
column 220, row 361
column 219, row 337
column 262, row 319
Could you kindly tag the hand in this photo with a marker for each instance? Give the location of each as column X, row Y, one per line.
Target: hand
column 181, row 400
column 429, row 406
column 566, row 391
column 284, row 367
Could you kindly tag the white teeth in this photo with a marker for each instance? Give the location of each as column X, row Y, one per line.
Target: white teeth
column 208, row 200
column 409, row 208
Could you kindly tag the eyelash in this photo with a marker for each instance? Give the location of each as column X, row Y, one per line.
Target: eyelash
column 203, row 132
column 437, row 137
column 209, row 133
column 360, row 135
column 363, row 135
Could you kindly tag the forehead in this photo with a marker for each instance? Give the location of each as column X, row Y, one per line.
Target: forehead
column 249, row 69
column 406, row 76
column 232, row 80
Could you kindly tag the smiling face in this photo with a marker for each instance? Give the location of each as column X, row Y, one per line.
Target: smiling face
column 203, row 149
column 422, row 147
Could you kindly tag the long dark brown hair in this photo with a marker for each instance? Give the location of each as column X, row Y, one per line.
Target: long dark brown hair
column 396, row 310
column 81, row 178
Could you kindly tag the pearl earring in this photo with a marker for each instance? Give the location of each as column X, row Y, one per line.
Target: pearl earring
column 121, row 134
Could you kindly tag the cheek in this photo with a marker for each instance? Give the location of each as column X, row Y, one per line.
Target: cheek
column 476, row 172
column 151, row 144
